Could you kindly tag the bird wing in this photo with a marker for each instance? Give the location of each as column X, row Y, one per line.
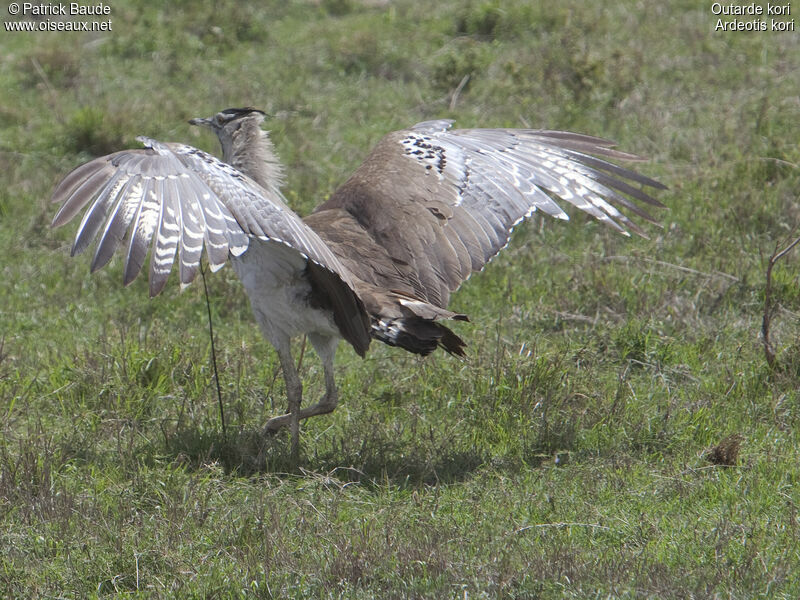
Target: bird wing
column 440, row 203
column 178, row 199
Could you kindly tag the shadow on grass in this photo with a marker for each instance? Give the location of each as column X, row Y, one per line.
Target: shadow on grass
column 243, row 452
column 376, row 458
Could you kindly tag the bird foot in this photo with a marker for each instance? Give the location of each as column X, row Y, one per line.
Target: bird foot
column 275, row 424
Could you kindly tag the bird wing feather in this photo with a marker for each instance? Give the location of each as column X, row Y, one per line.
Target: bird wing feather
column 458, row 194
column 174, row 197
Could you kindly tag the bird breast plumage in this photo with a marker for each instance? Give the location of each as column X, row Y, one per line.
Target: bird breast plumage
column 275, row 278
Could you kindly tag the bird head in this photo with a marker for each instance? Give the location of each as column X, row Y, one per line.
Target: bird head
column 245, row 145
column 233, row 125
column 230, row 119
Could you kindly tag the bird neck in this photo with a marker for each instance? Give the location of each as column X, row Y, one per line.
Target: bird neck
column 250, row 150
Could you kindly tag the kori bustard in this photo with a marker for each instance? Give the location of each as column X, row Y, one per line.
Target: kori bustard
column 428, row 207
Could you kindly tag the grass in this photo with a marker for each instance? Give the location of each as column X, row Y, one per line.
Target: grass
column 566, row 457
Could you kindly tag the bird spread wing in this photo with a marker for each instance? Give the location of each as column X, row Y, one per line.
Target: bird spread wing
column 437, row 204
column 178, row 199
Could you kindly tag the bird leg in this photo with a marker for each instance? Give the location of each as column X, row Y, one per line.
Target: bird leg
column 294, row 396
column 326, row 348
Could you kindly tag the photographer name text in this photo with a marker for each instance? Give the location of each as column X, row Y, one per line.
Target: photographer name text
column 51, row 9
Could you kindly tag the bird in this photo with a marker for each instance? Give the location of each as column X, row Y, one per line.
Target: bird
column 429, row 206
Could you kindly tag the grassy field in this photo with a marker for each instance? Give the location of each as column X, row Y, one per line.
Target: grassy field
column 566, row 457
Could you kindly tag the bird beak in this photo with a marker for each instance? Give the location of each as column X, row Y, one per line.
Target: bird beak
column 201, row 122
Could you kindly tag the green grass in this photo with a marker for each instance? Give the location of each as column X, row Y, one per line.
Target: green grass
column 565, row 457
